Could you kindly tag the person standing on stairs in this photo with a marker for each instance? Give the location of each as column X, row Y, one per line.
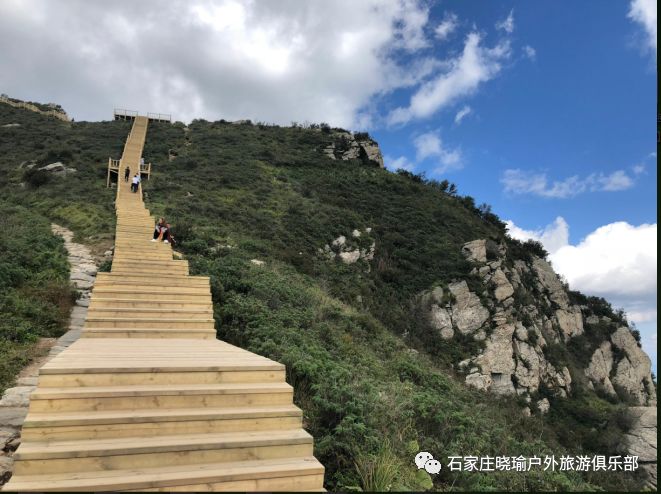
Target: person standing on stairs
column 127, row 172
column 136, row 182
column 161, row 231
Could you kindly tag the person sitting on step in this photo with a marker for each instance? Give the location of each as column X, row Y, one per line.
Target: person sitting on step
column 161, row 231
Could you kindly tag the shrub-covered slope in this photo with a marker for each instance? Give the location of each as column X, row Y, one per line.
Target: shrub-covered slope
column 351, row 254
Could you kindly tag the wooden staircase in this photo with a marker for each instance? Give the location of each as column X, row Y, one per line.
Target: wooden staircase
column 148, row 399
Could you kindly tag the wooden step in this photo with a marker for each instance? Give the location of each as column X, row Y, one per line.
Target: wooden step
column 148, row 452
column 172, row 271
column 282, row 474
column 48, row 426
column 151, row 323
column 139, row 287
column 184, row 377
column 165, row 312
column 151, row 281
column 149, row 263
column 152, row 294
column 102, row 398
column 153, row 333
column 100, row 303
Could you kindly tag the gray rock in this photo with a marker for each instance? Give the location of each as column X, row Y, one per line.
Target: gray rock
column 12, row 416
column 27, row 381
column 543, row 406
column 6, row 467
column 503, row 287
column 339, row 241
column 371, row 149
column 478, row 381
column 526, row 412
column 350, row 256
column 570, row 321
column 440, row 320
column 633, row 373
column 468, row 313
column 549, row 281
column 528, row 366
column 475, row 251
column 599, row 369
column 641, row 440
column 497, row 360
column 18, row 396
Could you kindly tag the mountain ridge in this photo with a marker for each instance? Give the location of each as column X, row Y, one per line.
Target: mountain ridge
column 423, row 256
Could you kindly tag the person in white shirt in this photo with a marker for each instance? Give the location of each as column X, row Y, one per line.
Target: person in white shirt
column 136, row 182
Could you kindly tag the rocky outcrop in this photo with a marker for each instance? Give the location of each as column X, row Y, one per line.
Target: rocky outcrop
column 348, row 146
column 58, row 169
column 351, row 252
column 599, row 370
column 633, row 371
column 516, row 319
column 15, row 401
column 641, row 441
column 468, row 313
column 475, row 251
column 631, row 374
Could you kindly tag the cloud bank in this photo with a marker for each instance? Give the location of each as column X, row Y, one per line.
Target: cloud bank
column 616, row 261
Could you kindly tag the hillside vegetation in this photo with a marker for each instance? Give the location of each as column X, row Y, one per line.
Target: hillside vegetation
column 375, row 384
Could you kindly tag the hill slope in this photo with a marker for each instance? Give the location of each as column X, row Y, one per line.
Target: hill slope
column 368, row 293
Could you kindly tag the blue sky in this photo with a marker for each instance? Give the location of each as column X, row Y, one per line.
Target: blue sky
column 543, row 109
column 573, row 104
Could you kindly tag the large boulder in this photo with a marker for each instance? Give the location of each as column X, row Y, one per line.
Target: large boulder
column 641, row 439
column 468, row 313
column 475, row 251
column 633, row 372
column 57, row 168
column 503, row 287
column 497, row 359
column 570, row 321
column 550, row 282
column 599, row 369
column 440, row 319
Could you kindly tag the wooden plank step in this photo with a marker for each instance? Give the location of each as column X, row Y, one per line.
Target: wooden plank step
column 102, row 302
column 145, row 452
column 258, row 472
column 63, row 419
column 141, row 333
column 48, row 426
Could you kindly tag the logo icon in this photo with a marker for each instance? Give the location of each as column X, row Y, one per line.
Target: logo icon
column 426, row 460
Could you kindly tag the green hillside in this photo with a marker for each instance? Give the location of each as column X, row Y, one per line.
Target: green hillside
column 374, row 382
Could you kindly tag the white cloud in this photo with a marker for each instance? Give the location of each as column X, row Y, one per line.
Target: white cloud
column 447, row 26
column 644, row 13
column 516, row 181
column 553, row 236
column 616, row 261
column 638, row 169
column 267, row 61
column 462, row 113
column 475, row 65
column 530, row 52
column 394, row 164
column 430, row 145
column 507, row 24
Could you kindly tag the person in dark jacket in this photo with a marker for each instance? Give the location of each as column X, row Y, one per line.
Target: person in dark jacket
column 161, row 231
